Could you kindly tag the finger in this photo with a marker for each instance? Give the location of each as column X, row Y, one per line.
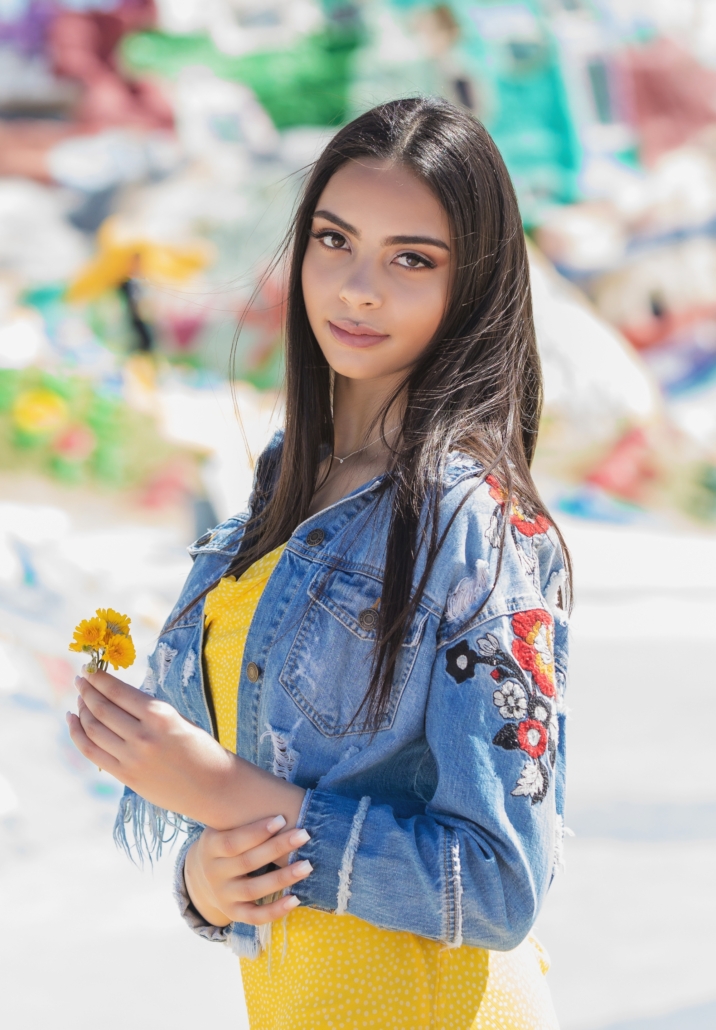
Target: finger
column 259, row 915
column 98, row 732
column 121, row 694
column 229, row 843
column 269, row 851
column 117, row 719
column 252, row 888
column 90, row 750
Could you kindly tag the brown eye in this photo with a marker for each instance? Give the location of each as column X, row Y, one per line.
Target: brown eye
column 330, row 239
column 411, row 260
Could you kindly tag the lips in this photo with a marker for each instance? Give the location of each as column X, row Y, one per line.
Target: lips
column 356, row 335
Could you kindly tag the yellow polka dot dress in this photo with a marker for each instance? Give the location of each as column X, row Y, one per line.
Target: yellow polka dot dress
column 326, row 971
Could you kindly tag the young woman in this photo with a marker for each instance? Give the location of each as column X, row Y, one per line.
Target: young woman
column 356, row 705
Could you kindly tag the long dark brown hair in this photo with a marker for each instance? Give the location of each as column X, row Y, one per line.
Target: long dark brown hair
column 477, row 386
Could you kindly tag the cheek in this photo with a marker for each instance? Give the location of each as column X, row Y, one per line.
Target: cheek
column 319, row 284
column 419, row 312
column 311, row 285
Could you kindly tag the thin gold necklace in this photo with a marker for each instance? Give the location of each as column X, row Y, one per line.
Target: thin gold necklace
column 364, row 447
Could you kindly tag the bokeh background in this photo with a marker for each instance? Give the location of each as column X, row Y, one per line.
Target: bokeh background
column 150, row 155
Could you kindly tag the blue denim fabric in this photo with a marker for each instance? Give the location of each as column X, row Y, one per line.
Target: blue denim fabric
column 447, row 822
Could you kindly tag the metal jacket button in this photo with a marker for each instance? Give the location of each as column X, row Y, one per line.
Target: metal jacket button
column 253, row 671
column 315, row 537
column 368, row 618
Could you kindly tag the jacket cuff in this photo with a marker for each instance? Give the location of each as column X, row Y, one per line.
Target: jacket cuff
column 334, row 823
column 194, row 919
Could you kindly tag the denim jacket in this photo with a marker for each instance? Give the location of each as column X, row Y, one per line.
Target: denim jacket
column 447, row 821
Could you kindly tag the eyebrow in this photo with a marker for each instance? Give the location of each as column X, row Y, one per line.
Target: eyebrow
column 391, row 241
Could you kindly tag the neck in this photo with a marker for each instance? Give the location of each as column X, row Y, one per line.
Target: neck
column 356, row 405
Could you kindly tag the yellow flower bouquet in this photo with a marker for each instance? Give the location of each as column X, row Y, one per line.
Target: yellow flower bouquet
column 106, row 639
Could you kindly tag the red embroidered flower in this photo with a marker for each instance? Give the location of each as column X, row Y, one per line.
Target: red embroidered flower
column 496, row 491
column 534, row 648
column 528, row 527
column 522, row 523
column 532, row 737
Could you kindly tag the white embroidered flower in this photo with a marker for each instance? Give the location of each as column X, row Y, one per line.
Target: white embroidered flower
column 493, row 533
column 511, row 700
column 488, row 645
column 527, row 561
column 531, row 782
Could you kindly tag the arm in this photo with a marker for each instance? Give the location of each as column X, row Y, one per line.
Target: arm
column 475, row 867
column 173, row 764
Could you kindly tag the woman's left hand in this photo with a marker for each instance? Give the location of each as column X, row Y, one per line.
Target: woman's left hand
column 151, row 748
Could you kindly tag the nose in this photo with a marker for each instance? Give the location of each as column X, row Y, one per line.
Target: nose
column 360, row 289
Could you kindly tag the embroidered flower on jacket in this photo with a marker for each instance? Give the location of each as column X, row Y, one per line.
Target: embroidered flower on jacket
column 461, row 661
column 493, row 533
column 532, row 737
column 525, row 686
column 511, row 700
column 532, row 782
column 540, row 708
column 523, row 523
column 534, row 648
column 488, row 645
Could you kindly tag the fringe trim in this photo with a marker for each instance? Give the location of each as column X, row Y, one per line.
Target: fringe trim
column 141, row 829
column 346, row 870
column 245, row 946
column 285, row 757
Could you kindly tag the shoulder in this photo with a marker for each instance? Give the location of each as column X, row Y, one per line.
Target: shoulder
column 493, row 559
column 472, row 499
column 222, row 539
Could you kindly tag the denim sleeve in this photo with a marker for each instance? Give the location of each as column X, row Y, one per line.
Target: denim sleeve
column 475, row 867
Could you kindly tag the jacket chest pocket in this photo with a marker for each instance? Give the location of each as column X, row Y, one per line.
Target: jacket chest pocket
column 327, row 670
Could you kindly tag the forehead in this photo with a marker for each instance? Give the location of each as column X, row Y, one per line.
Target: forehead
column 386, row 198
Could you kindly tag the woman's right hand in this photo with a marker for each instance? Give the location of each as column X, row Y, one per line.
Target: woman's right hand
column 218, row 864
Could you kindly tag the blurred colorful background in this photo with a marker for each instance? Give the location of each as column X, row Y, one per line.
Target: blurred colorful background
column 150, row 156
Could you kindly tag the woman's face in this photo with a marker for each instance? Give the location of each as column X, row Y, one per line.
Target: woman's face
column 377, row 268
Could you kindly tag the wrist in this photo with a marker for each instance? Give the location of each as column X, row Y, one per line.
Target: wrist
column 247, row 793
column 198, row 891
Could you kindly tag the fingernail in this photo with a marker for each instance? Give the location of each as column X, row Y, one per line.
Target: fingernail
column 275, row 824
column 78, row 680
column 302, row 868
column 299, row 837
column 291, row 902
column 67, row 716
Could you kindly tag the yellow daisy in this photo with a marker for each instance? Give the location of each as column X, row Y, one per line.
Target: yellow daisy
column 119, row 651
column 89, row 635
column 116, row 623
